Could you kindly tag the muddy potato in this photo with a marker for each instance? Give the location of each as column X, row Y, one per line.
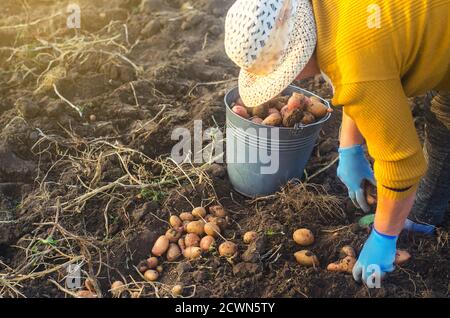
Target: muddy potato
column 152, row 262
column 192, row 252
column 89, row 284
column 173, row 235
column 227, row 249
column 308, row 118
column 199, row 212
column 250, row 236
column 303, row 237
column 218, row 211
column 306, row 258
column 240, row 111
column 401, row 257
column 196, row 227
column 186, row 216
column 191, row 239
column 319, row 110
column 261, row 111
column 283, row 111
column 370, row 192
column 177, row 290
column 151, row 275
column 292, row 117
column 344, row 265
column 222, row 223
column 212, row 229
column 175, row 221
column 117, row 288
column 159, row 269
column 181, row 244
column 207, row 243
column 347, row 250
column 273, row 120
column 273, row 111
column 173, row 253
column 86, row 294
column 161, row 246
column 296, row 101
column 142, row 267
column 257, row 120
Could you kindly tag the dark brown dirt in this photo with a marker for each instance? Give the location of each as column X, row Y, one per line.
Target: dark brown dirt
column 122, row 78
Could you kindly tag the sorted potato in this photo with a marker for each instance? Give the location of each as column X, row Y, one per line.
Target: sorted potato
column 218, row 211
column 347, row 250
column 250, row 237
column 199, row 212
column 401, row 257
column 161, row 246
column 344, row 265
column 173, row 235
column 152, row 262
column 207, row 243
column 292, row 117
column 273, row 111
column 177, row 290
column 192, row 252
column 240, row 111
column 191, row 239
column 296, row 101
column 273, row 120
column 308, row 118
column 212, row 229
column 151, row 275
column 173, row 253
column 175, row 221
column 303, row 237
column 186, row 216
column 306, row 258
column 117, row 288
column 257, row 120
column 261, row 111
column 227, row 249
column 318, row 109
column 196, row 227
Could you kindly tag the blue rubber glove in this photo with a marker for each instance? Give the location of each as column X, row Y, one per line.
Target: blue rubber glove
column 376, row 258
column 353, row 169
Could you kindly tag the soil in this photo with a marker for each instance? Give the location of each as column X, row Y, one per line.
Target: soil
column 99, row 188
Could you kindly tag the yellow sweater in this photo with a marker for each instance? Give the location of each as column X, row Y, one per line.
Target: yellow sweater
column 377, row 53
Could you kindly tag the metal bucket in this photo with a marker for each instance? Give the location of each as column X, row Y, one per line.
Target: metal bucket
column 261, row 159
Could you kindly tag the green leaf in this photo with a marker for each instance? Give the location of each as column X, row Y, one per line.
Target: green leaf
column 366, row 221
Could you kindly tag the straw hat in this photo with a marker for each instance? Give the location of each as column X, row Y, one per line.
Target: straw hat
column 271, row 41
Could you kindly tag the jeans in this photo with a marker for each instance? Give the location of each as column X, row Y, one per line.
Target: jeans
column 433, row 195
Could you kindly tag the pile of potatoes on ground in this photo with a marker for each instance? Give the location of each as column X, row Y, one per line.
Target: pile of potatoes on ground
column 285, row 111
column 304, row 237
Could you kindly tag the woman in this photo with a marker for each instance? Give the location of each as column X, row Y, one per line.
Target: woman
column 376, row 54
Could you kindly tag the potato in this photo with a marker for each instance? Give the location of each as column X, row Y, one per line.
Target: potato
column 227, row 249
column 222, row 223
column 401, row 257
column 151, row 275
column 207, row 243
column 182, row 244
column 344, row 265
column 261, row 111
column 117, row 288
column 177, row 290
column 142, row 267
column 249, row 237
column 199, row 212
column 192, row 252
column 240, row 111
column 212, row 229
column 89, row 284
column 191, row 239
column 370, row 193
column 173, row 253
column 152, row 262
column 319, row 110
column 303, row 237
column 273, row 120
column 308, row 118
column 347, row 250
column 186, row 216
column 315, row 99
column 159, row 269
column 173, row 235
column 292, row 117
column 273, row 111
column 196, row 227
column 306, row 258
column 175, row 221
column 257, row 120
column 161, row 246
column 283, row 111
column 296, row 101
column 86, row 294
column 218, row 210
